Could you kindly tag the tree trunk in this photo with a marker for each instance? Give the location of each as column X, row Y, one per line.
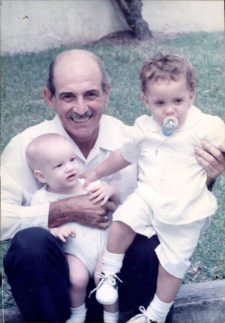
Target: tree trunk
column 131, row 10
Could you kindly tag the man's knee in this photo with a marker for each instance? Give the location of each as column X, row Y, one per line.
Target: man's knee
column 31, row 245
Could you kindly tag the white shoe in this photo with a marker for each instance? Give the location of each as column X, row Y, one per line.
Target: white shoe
column 107, row 289
column 141, row 318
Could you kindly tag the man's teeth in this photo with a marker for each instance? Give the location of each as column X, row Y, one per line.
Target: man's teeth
column 81, row 119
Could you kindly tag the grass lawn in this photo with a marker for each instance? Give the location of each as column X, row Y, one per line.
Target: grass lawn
column 22, row 105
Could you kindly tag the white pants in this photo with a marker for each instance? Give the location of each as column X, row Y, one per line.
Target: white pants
column 177, row 242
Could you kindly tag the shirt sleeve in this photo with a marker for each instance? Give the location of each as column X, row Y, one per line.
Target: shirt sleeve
column 17, row 187
column 130, row 150
column 213, row 130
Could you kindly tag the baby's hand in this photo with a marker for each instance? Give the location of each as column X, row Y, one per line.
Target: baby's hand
column 62, row 233
column 89, row 176
column 101, row 192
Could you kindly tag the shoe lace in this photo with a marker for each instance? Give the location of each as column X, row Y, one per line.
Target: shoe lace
column 110, row 278
column 143, row 312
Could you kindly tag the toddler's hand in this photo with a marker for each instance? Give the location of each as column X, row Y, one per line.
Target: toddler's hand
column 62, row 233
column 89, row 176
column 101, row 192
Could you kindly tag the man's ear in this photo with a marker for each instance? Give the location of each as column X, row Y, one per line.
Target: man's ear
column 40, row 176
column 49, row 97
column 107, row 93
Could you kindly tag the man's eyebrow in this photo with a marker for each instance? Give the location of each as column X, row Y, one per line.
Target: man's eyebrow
column 66, row 92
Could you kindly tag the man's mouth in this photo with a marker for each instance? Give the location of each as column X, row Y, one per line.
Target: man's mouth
column 77, row 118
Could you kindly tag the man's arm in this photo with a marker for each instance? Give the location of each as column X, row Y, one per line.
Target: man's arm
column 79, row 209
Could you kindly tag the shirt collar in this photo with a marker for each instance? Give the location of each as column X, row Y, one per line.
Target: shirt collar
column 109, row 137
column 111, row 133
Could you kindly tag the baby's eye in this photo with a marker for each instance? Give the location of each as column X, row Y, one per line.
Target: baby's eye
column 58, row 165
column 72, row 159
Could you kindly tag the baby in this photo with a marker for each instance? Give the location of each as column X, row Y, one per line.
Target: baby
column 53, row 162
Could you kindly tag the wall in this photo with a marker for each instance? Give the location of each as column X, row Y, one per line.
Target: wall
column 32, row 25
column 184, row 15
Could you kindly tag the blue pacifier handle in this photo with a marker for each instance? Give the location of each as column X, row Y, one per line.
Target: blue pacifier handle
column 170, row 124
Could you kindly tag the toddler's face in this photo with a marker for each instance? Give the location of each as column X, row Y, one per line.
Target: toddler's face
column 166, row 98
column 60, row 168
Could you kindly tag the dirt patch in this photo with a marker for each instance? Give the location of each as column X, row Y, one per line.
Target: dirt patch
column 127, row 37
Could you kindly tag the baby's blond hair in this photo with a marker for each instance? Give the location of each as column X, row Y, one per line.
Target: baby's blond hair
column 38, row 147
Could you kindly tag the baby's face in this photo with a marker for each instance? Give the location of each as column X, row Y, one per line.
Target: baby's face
column 166, row 98
column 60, row 168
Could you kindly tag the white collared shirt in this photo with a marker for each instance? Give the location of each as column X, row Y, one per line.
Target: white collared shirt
column 170, row 179
column 19, row 184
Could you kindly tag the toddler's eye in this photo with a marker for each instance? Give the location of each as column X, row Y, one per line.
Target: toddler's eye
column 179, row 100
column 160, row 102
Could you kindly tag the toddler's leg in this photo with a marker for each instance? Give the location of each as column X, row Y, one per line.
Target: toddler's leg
column 120, row 238
column 79, row 278
column 166, row 291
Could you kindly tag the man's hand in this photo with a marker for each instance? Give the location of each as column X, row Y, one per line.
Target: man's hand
column 211, row 158
column 81, row 210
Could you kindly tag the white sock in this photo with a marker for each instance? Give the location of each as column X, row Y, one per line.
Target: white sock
column 158, row 310
column 109, row 317
column 112, row 262
column 78, row 314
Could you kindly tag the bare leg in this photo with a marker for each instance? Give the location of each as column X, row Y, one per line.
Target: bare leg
column 120, row 237
column 167, row 285
column 166, row 291
column 79, row 278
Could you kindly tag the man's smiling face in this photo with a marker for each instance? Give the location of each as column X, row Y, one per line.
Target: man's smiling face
column 79, row 99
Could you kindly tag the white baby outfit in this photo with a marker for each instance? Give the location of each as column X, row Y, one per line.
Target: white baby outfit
column 171, row 198
column 88, row 243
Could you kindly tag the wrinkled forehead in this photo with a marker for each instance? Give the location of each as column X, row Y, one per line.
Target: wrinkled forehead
column 72, row 67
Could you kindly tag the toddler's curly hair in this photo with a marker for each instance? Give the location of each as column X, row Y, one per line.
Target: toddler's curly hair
column 170, row 67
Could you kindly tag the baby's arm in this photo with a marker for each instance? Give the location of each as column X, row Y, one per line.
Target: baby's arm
column 62, row 233
column 110, row 165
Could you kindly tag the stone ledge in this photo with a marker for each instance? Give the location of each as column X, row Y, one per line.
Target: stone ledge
column 195, row 303
column 201, row 303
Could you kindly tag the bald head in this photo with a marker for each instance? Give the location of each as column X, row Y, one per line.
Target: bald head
column 75, row 60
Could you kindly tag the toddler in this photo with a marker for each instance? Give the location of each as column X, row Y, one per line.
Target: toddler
column 171, row 199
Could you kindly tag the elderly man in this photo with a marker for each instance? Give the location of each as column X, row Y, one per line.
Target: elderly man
column 77, row 90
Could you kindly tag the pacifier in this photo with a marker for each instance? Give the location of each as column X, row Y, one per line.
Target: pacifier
column 170, row 124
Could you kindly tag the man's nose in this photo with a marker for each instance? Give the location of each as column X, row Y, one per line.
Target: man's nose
column 80, row 106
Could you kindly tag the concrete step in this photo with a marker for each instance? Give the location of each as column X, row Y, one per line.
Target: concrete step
column 201, row 303
column 195, row 303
